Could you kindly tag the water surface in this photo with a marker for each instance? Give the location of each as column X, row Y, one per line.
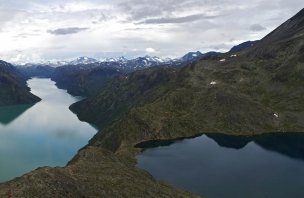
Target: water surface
column 44, row 134
column 221, row 166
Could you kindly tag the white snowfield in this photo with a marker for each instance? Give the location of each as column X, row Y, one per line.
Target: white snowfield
column 223, row 60
column 213, row 83
column 276, row 115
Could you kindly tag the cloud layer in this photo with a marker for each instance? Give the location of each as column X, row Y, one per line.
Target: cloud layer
column 33, row 30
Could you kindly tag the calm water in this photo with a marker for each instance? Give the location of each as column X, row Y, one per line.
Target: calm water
column 219, row 166
column 45, row 134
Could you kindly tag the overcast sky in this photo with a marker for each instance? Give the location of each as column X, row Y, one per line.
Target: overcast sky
column 35, row 30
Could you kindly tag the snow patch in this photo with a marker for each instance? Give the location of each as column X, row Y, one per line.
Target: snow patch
column 213, row 83
column 276, row 115
column 223, row 60
column 233, row 55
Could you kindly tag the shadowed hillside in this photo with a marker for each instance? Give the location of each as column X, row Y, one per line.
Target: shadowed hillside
column 83, row 80
column 13, row 87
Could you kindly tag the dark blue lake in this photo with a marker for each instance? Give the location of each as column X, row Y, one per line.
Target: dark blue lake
column 44, row 134
column 221, row 166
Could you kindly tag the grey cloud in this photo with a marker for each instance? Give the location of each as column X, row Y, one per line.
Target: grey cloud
column 65, row 31
column 237, row 19
column 143, row 9
column 257, row 27
column 184, row 19
column 140, row 9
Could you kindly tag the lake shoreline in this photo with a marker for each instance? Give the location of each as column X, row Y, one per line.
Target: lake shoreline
column 86, row 169
column 125, row 156
column 45, row 133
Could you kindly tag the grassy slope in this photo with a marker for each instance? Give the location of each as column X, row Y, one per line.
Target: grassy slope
column 251, row 88
column 122, row 93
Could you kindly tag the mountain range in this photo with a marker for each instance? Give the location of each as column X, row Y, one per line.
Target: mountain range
column 139, row 62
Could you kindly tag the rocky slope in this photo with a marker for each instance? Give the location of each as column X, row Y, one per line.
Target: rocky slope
column 242, row 46
column 13, row 89
column 94, row 172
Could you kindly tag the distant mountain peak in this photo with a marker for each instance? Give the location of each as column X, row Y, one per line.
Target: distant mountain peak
column 191, row 56
column 83, row 60
column 122, row 59
column 194, row 56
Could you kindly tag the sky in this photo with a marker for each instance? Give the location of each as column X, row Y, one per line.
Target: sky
column 40, row 30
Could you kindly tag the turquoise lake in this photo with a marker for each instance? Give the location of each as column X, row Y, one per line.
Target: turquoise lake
column 44, row 134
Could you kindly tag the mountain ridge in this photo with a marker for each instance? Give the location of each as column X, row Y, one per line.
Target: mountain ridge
column 139, row 62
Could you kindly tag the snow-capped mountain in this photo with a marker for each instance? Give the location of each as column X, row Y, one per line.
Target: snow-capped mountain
column 191, row 56
column 83, row 60
column 119, row 59
column 146, row 61
column 194, row 56
column 125, row 64
column 121, row 63
column 57, row 63
column 133, row 64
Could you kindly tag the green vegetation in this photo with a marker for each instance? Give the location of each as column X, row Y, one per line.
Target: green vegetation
column 122, row 93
